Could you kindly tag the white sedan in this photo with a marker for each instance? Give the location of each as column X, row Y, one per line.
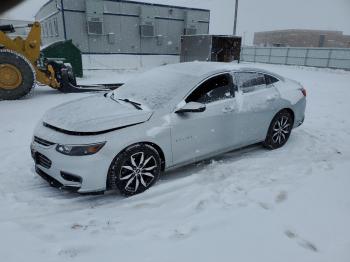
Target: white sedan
column 165, row 118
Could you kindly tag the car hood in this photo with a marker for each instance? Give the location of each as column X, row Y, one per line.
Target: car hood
column 94, row 114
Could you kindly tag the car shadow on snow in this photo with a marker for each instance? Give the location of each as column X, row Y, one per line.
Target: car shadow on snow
column 110, row 197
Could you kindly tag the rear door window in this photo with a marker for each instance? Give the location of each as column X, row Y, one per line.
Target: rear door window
column 251, row 81
column 270, row 79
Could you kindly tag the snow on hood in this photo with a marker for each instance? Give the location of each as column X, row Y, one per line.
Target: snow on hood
column 94, row 114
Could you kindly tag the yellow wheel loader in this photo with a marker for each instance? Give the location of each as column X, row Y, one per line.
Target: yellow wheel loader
column 22, row 66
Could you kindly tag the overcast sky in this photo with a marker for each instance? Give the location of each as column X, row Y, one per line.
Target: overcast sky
column 254, row 15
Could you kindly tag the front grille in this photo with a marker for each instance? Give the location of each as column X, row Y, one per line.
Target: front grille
column 42, row 160
column 42, row 141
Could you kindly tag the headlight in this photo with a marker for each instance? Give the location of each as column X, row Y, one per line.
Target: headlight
column 79, row 150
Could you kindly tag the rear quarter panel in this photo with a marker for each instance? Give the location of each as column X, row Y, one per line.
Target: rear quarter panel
column 292, row 97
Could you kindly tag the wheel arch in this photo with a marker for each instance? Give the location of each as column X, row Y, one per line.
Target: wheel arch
column 288, row 109
column 159, row 150
column 155, row 146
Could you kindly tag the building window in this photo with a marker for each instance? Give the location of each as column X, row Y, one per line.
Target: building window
column 51, row 31
column 46, row 31
column 55, row 26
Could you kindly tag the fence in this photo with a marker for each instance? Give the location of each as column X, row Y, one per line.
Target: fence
column 338, row 58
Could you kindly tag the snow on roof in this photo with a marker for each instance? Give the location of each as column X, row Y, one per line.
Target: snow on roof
column 158, row 86
column 205, row 69
column 201, row 69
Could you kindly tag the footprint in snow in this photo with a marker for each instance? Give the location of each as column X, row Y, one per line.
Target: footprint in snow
column 69, row 252
column 145, row 205
column 78, row 226
column 264, row 205
column 300, row 241
column 184, row 231
column 281, row 197
column 72, row 252
column 308, row 245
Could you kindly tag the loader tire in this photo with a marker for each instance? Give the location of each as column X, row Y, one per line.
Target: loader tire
column 17, row 75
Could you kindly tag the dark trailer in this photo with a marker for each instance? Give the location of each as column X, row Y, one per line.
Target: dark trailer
column 216, row 48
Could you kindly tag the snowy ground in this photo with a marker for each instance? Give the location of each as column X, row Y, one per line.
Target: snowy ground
column 292, row 204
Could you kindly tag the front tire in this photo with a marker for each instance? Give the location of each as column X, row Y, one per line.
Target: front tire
column 135, row 170
column 280, row 129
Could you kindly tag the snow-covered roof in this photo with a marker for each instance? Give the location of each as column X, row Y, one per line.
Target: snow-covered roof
column 204, row 69
column 201, row 69
column 158, row 86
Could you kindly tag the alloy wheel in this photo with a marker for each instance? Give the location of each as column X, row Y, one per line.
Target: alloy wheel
column 281, row 130
column 138, row 171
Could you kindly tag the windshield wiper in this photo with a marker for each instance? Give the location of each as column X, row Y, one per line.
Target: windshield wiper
column 111, row 97
column 136, row 105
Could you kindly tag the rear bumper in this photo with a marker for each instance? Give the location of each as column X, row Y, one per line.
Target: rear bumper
column 299, row 112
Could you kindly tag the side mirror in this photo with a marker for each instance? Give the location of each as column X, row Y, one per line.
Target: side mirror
column 191, row 107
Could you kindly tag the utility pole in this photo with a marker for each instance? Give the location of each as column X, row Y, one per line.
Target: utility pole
column 235, row 23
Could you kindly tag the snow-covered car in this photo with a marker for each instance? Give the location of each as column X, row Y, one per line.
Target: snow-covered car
column 162, row 119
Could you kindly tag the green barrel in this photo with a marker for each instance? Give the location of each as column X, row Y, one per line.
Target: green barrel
column 67, row 52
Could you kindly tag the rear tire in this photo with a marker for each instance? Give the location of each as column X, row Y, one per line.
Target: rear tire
column 26, row 75
column 135, row 170
column 279, row 131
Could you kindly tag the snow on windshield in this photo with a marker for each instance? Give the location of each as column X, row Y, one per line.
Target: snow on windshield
column 156, row 87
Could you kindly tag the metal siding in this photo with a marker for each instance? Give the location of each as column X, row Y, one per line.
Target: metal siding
column 277, row 60
column 46, row 15
column 78, row 32
column 295, row 61
column 130, row 35
column 123, row 19
column 47, row 9
column 317, row 62
column 173, row 39
column 113, row 25
column 112, row 7
column 340, row 54
column 318, row 53
column 298, row 53
column 248, row 51
column 316, row 57
column 278, row 52
column 342, row 64
column 161, row 30
column 74, row 5
column 130, row 8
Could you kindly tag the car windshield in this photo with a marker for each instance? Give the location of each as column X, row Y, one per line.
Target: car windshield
column 155, row 88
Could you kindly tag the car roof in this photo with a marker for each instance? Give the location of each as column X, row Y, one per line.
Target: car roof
column 170, row 83
column 205, row 69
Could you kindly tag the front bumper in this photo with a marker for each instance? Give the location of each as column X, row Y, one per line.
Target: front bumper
column 83, row 174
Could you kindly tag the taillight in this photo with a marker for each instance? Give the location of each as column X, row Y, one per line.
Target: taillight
column 303, row 90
